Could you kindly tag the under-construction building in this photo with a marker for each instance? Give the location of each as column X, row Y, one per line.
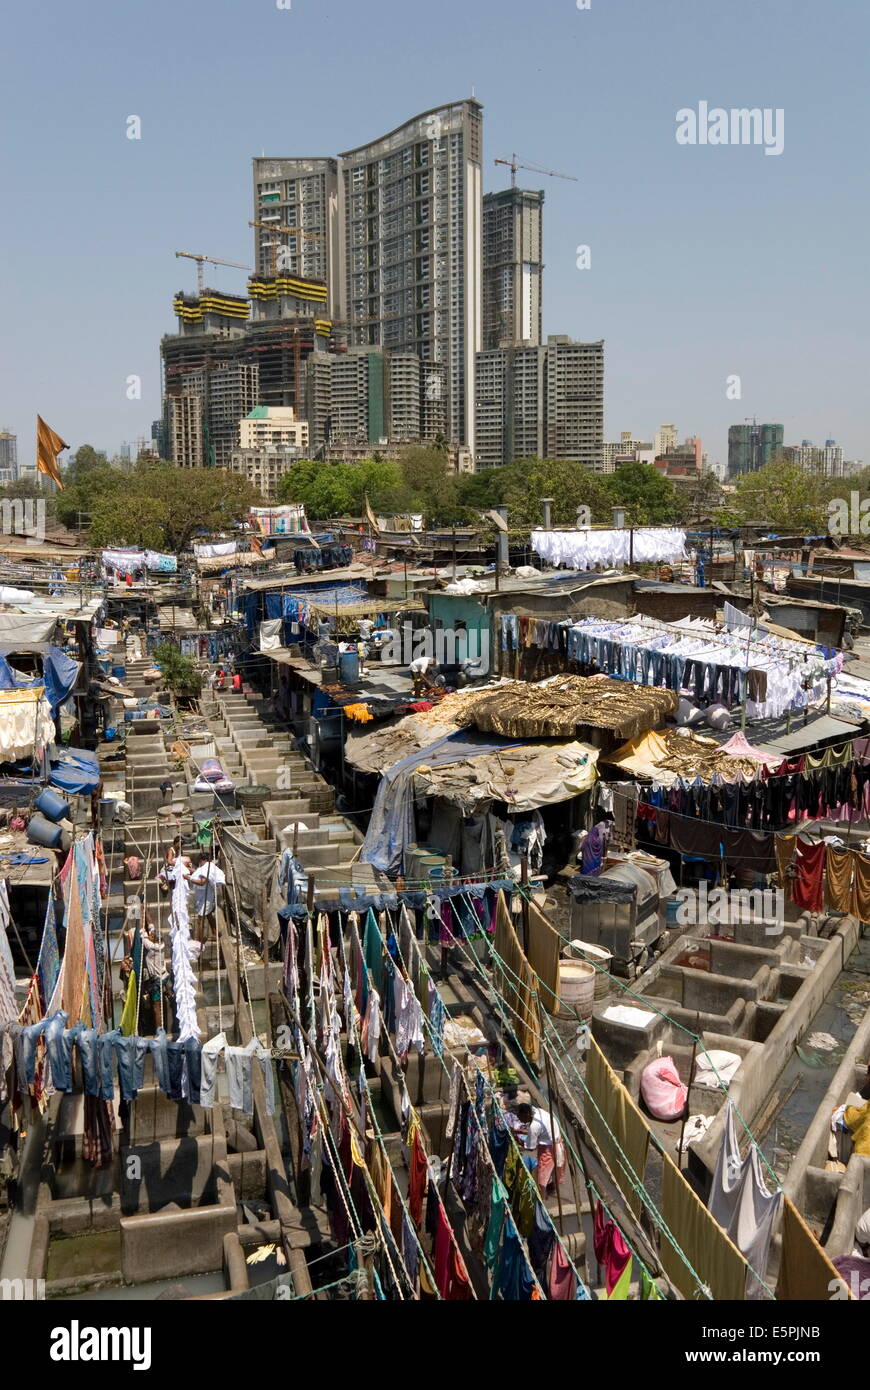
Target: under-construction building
column 231, row 354
column 512, row 267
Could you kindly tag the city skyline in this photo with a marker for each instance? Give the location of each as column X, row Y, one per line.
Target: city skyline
column 700, row 268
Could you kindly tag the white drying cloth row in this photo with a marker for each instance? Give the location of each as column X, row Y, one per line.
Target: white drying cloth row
column 588, row 549
column 183, row 951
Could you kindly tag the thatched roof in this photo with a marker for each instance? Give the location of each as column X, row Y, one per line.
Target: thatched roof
column 563, row 707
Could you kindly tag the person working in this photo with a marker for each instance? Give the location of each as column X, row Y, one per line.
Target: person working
column 540, row 1142
column 424, row 674
column 206, row 879
column 219, row 680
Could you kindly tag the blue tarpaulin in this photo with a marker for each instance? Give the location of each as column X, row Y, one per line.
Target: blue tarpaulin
column 75, row 770
column 391, row 828
column 59, row 675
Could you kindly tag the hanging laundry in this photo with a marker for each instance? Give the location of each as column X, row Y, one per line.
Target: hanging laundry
column 611, row 1251
column 742, row 1203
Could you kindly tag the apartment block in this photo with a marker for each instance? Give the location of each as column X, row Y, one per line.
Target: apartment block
column 541, row 402
column 512, row 267
column 752, row 446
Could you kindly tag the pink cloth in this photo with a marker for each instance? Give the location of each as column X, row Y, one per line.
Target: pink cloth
column 611, row 1251
column 561, row 1284
column 664, row 1094
column 738, row 747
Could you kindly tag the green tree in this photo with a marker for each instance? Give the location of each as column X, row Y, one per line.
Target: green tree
column 570, row 486
column 129, row 518
column 782, row 497
column 649, row 498
column 179, row 673
column 701, row 498
column 194, row 499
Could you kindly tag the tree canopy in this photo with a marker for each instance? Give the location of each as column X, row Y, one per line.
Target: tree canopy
column 782, row 496
column 155, row 505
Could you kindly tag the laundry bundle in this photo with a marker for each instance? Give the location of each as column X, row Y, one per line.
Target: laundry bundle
column 662, row 1091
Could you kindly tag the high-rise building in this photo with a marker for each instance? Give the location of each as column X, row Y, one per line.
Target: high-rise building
column 541, row 402
column 393, row 229
column 8, row 457
column 752, row 446
column 512, row 266
column 665, row 440
column 413, row 247
column 368, row 396
column 296, row 202
column 575, row 401
column 623, row 450
column 231, row 362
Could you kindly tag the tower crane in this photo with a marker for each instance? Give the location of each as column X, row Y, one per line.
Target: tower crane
column 212, row 260
column 513, row 164
column 283, row 231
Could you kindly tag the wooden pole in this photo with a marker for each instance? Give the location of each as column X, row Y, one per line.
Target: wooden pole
column 553, row 1137
column 524, row 883
column 264, row 927
column 691, row 1074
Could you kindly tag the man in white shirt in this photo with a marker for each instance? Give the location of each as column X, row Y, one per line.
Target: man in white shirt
column 206, row 879
column 541, row 1141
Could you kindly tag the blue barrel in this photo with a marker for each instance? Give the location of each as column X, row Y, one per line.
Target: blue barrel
column 52, row 806
column 119, row 671
column 41, row 832
column 348, row 667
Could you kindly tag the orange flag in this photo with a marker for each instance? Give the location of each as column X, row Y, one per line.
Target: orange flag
column 48, row 446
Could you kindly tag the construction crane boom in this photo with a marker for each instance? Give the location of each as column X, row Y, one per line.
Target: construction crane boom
column 283, row 231
column 513, row 164
column 212, row 260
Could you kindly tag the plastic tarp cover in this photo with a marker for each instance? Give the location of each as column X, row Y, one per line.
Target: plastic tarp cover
column 18, row 627
column 621, row 884
column 585, row 888
column 60, row 674
column 527, row 777
column 391, row 827
column 75, row 771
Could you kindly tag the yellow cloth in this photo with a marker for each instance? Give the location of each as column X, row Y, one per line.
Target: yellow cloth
column 838, row 879
column 128, row 1017
column 48, row 446
column 360, row 714
column 544, row 946
column 805, row 1272
column 783, row 846
column 716, row 1261
column 515, row 982
column 861, row 887
column 857, row 1117
column 622, row 1285
column 619, row 1130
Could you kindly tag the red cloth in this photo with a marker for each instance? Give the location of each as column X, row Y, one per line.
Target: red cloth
column 418, row 1175
column 561, row 1284
column 611, row 1251
column 809, row 874
column 450, row 1274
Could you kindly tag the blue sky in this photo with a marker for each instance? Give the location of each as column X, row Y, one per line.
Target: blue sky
column 705, row 261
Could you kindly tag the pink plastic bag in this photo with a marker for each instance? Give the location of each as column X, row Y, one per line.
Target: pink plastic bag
column 664, row 1094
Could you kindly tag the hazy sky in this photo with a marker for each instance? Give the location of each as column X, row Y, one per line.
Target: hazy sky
column 706, row 261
